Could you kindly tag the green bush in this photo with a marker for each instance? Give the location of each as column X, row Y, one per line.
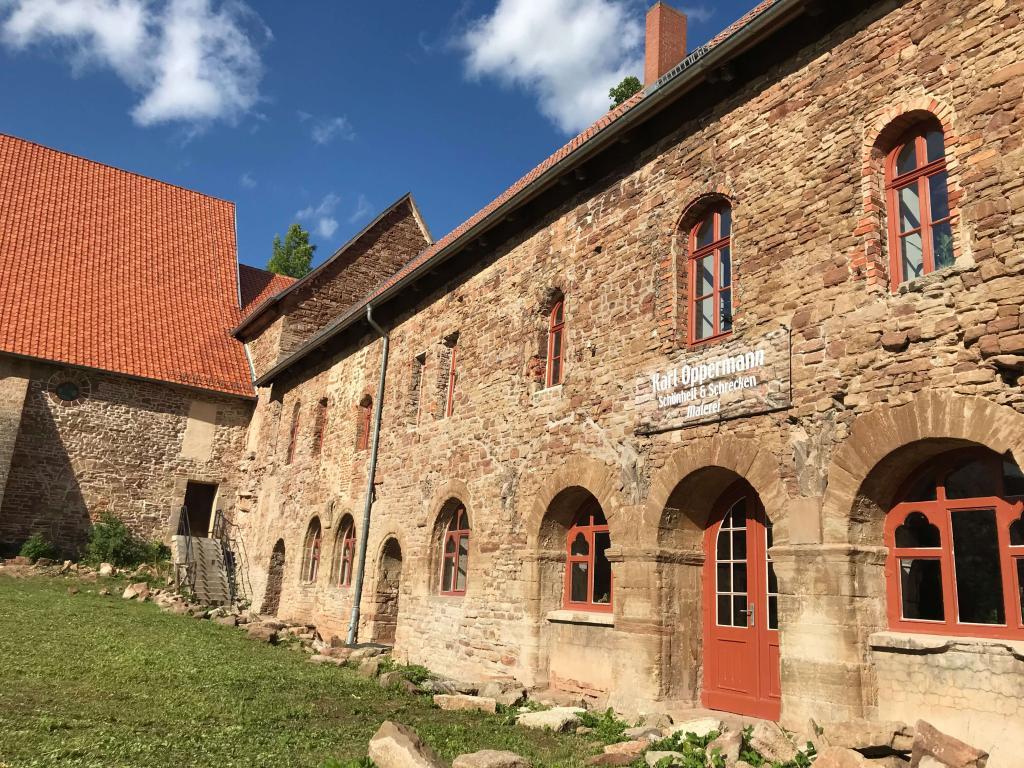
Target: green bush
column 111, row 541
column 607, row 727
column 37, row 546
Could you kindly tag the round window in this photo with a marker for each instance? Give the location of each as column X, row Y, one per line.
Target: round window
column 67, row 391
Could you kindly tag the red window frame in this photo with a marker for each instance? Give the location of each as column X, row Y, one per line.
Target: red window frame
column 1008, row 512
column 364, row 424
column 449, row 406
column 293, row 435
column 719, row 286
column 454, row 543
column 311, row 554
column 346, row 555
column 588, row 526
column 920, row 177
column 556, row 341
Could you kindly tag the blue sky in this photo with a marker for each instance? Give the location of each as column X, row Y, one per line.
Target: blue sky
column 321, row 111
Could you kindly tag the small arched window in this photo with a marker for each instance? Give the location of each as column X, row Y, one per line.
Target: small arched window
column 364, row 423
column 710, row 284
column 455, row 554
column 311, row 551
column 956, row 548
column 345, row 553
column 588, row 573
column 320, row 426
column 556, row 341
column 920, row 228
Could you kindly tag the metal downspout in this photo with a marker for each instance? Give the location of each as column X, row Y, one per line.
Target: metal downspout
column 353, row 625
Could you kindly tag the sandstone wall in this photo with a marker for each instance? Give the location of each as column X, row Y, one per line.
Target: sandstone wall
column 935, row 364
column 126, row 446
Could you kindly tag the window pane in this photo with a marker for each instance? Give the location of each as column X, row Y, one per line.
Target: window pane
column 1020, row 583
column 917, row 533
column 705, row 275
column 724, row 578
column 773, row 612
column 739, row 577
column 448, row 577
column 449, row 545
column 921, row 589
column 705, row 317
column 938, row 196
column 579, row 545
column 602, row 568
column 739, row 611
column 974, row 479
column 910, row 208
column 724, row 611
column 773, row 580
column 725, row 310
column 724, row 267
column 725, row 226
column 556, row 371
column 557, row 313
column 739, row 545
column 706, row 232
column 723, row 550
column 912, row 260
column 1017, row 533
column 578, row 588
column 936, row 147
column 906, row 160
column 556, row 344
column 979, row 584
column 942, row 243
column 460, row 576
column 1013, row 478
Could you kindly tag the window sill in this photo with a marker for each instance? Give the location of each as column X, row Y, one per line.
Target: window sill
column 547, row 393
column 919, row 642
column 594, row 618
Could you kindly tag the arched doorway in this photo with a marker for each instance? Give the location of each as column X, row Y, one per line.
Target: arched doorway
column 741, row 618
column 389, row 581
column 275, row 580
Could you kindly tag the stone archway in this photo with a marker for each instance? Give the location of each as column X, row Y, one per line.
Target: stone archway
column 275, row 580
column 387, row 592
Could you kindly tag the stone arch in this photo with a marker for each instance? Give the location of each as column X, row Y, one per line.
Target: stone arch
column 345, row 522
column 708, row 469
column 312, row 550
column 889, row 443
column 882, row 130
column 578, row 476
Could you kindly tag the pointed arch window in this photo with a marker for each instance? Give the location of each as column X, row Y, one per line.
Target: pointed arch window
column 918, row 209
column 956, row 548
column 588, row 572
column 311, row 552
column 345, row 553
column 556, row 342
column 455, row 554
column 710, row 275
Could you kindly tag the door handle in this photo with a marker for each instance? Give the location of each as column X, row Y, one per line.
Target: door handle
column 750, row 615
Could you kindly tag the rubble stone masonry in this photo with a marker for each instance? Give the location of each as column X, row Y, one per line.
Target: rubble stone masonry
column 880, row 381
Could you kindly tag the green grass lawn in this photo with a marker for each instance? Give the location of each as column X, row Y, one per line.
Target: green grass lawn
column 100, row 681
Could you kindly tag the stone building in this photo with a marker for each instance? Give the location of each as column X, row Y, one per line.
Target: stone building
column 719, row 405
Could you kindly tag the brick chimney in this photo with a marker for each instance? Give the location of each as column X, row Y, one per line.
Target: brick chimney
column 666, row 40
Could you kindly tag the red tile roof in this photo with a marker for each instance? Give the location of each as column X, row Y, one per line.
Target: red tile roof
column 258, row 285
column 111, row 270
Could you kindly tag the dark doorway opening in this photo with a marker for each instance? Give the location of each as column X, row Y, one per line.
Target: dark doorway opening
column 275, row 580
column 389, row 583
column 198, row 509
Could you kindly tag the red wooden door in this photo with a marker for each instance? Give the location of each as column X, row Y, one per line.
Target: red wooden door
column 741, row 625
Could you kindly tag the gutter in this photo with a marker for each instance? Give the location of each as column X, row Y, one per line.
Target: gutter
column 378, row 407
column 669, row 85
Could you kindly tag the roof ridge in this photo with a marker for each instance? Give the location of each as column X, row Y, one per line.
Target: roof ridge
column 89, row 160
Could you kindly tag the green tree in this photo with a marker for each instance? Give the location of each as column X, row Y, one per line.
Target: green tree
column 624, row 90
column 294, row 256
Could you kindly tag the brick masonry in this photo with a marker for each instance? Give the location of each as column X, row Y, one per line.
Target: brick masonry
column 791, row 150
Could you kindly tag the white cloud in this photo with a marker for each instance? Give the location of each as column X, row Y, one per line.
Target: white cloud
column 322, row 215
column 700, row 14
column 568, row 53
column 192, row 60
column 362, row 210
column 247, row 180
column 324, row 130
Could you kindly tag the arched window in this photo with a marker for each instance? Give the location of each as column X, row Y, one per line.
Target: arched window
column 320, row 426
column 364, row 424
column 710, row 287
column 449, row 401
column 345, row 553
column 956, row 548
column 455, row 554
column 311, row 552
column 588, row 574
column 920, row 230
column 556, row 331
column 293, row 432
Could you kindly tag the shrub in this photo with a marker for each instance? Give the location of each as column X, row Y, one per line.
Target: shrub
column 111, row 541
column 37, row 546
column 607, row 727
